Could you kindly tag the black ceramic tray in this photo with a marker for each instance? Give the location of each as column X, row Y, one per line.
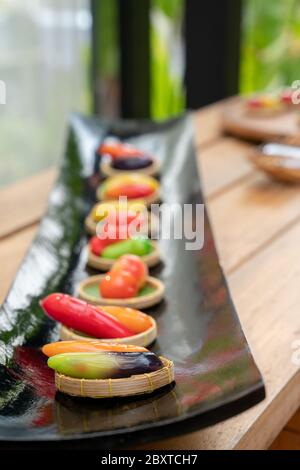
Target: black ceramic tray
column 216, row 376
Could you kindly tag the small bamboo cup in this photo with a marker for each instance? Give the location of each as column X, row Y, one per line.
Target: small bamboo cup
column 277, row 166
column 141, row 302
column 91, row 224
column 138, row 384
column 141, row 339
column 104, row 264
column 147, row 200
column 107, row 169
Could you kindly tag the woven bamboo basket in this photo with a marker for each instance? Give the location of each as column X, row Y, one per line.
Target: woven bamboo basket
column 147, row 200
column 107, row 388
column 107, row 170
column 91, row 224
column 141, row 339
column 104, row 264
column 277, row 166
column 141, row 302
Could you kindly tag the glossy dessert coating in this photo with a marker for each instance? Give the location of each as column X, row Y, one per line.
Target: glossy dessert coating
column 127, row 276
column 135, row 320
column 116, row 149
column 62, row 347
column 105, row 365
column 131, row 185
column 131, row 164
column 81, row 316
column 96, row 321
column 138, row 247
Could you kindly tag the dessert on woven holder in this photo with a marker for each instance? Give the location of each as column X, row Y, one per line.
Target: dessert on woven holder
column 145, row 338
column 115, row 213
column 107, row 168
column 134, row 186
column 104, row 370
column 102, row 256
column 138, row 384
column 85, row 322
column 151, row 294
column 118, row 157
column 126, row 284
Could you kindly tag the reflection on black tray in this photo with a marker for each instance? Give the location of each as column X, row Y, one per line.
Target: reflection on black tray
column 216, row 376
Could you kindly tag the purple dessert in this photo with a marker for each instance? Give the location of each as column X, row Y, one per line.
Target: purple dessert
column 131, row 163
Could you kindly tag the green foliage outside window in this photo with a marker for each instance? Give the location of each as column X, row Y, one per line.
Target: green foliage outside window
column 167, row 58
column 270, row 53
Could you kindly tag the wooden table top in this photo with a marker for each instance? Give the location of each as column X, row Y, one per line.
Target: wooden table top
column 256, row 223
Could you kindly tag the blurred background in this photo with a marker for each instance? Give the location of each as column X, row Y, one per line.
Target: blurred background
column 133, row 59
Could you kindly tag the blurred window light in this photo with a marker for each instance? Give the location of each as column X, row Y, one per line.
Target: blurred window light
column 2, row 92
column 44, row 62
column 67, row 18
